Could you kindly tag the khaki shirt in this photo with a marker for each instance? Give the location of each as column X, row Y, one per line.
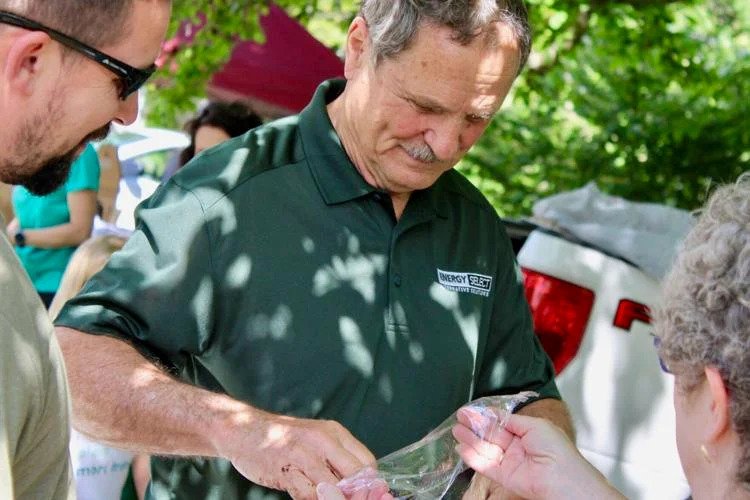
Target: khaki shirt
column 34, row 405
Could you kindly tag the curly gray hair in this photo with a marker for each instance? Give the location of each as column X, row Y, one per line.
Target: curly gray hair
column 704, row 319
column 394, row 23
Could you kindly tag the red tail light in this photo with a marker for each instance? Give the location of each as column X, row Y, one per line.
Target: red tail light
column 629, row 311
column 560, row 311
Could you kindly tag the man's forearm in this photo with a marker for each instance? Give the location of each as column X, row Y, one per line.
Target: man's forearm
column 136, row 405
column 122, row 399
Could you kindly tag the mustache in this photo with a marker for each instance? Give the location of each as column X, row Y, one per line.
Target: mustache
column 421, row 152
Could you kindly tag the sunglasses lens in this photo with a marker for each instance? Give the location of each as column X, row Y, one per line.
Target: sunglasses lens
column 133, row 82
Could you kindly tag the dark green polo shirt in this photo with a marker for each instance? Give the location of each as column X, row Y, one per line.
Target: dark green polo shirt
column 269, row 270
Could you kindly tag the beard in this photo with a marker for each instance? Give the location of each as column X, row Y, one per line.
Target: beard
column 41, row 174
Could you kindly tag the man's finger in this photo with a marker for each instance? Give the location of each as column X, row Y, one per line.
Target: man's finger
column 301, row 481
column 341, row 463
column 358, row 450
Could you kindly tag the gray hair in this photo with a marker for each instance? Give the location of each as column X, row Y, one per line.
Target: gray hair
column 95, row 22
column 704, row 319
column 394, row 23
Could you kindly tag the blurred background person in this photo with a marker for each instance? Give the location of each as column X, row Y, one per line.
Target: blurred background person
column 100, row 471
column 216, row 123
column 109, row 183
column 86, row 261
column 47, row 229
column 703, row 338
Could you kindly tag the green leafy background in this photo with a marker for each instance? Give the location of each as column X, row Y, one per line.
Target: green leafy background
column 649, row 99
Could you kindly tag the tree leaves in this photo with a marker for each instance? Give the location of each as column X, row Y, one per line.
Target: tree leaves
column 649, row 98
column 649, row 105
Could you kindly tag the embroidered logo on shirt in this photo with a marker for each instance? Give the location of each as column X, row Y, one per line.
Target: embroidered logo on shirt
column 478, row 284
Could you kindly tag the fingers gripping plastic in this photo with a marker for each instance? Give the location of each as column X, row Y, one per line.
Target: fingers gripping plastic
column 427, row 469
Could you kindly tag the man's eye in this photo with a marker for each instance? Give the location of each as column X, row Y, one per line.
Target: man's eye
column 421, row 108
column 119, row 86
column 473, row 119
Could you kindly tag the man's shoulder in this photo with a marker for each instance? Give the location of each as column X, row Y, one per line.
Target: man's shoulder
column 14, row 283
column 456, row 188
column 34, row 401
column 27, row 330
column 239, row 160
column 20, row 307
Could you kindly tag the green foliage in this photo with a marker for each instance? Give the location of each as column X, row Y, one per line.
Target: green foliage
column 173, row 94
column 648, row 98
column 183, row 78
column 651, row 104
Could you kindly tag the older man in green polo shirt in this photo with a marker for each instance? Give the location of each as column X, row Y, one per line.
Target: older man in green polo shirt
column 325, row 286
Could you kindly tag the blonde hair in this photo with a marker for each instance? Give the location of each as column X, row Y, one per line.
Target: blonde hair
column 86, row 261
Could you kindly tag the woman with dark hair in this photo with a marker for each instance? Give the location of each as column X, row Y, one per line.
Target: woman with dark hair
column 217, row 122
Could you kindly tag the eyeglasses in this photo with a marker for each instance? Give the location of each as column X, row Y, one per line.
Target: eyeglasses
column 664, row 366
column 130, row 78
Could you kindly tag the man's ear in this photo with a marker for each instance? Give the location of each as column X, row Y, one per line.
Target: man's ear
column 357, row 47
column 24, row 62
column 720, row 421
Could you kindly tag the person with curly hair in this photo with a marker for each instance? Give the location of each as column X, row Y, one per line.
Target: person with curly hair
column 703, row 337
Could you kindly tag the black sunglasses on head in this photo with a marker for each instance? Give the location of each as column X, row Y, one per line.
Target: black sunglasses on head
column 130, row 78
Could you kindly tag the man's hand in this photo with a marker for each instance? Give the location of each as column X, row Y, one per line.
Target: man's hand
column 139, row 407
column 292, row 454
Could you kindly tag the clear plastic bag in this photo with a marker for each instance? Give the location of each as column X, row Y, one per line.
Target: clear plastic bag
column 427, row 469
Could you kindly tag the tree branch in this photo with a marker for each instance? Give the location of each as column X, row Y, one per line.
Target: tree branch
column 580, row 28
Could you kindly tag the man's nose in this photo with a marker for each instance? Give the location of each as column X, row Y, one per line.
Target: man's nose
column 444, row 137
column 127, row 111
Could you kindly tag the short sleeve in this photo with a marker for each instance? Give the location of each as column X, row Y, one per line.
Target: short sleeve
column 514, row 359
column 158, row 291
column 84, row 173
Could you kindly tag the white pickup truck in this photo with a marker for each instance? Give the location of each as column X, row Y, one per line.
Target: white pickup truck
column 591, row 310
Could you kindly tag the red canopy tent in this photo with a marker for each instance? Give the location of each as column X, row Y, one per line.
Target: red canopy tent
column 277, row 77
